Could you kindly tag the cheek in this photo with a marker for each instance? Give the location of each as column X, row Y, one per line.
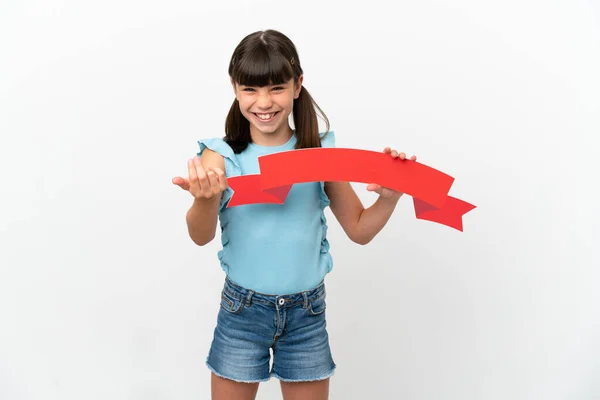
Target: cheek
column 286, row 102
column 244, row 103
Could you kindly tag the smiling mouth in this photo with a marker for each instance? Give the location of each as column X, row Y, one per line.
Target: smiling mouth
column 266, row 117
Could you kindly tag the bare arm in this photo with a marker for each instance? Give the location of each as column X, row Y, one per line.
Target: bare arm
column 202, row 219
column 360, row 224
column 206, row 182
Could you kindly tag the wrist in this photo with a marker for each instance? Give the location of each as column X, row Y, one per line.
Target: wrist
column 202, row 201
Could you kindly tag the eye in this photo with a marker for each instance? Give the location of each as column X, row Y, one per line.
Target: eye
column 248, row 89
column 278, row 88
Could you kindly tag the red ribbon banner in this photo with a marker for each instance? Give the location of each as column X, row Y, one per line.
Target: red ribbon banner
column 278, row 172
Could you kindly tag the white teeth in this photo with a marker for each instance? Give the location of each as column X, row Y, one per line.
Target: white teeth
column 265, row 116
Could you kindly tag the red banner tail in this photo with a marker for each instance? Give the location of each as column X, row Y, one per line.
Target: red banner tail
column 247, row 190
column 450, row 214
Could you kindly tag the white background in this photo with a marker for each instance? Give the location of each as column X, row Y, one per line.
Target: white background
column 104, row 296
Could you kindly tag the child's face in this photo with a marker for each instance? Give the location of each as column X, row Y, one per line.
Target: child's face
column 268, row 108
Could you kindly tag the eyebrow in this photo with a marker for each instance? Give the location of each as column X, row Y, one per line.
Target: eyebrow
column 253, row 86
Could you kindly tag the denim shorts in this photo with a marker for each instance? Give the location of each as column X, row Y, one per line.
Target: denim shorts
column 250, row 325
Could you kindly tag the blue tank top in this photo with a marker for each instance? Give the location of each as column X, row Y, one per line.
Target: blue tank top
column 273, row 248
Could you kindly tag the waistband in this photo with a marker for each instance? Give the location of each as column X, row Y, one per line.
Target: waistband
column 287, row 300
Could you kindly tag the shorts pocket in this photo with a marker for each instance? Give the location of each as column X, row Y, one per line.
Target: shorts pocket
column 230, row 303
column 317, row 306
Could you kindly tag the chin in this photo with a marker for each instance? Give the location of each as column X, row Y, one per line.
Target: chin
column 269, row 130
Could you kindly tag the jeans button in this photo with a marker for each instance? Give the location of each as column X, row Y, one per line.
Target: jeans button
column 281, row 301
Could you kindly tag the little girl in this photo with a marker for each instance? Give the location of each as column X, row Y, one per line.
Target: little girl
column 275, row 256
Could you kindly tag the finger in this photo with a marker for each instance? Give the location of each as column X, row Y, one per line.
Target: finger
column 186, row 184
column 373, row 187
column 402, row 156
column 387, row 150
column 192, row 173
column 413, row 158
column 200, row 173
column 181, row 182
column 213, row 181
column 222, row 178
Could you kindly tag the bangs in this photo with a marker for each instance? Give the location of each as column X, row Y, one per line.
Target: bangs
column 259, row 68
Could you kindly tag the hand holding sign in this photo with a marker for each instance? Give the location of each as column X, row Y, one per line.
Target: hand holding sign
column 384, row 192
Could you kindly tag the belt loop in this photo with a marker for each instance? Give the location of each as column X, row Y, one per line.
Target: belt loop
column 305, row 305
column 249, row 298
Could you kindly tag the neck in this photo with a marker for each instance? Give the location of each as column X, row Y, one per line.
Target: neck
column 278, row 138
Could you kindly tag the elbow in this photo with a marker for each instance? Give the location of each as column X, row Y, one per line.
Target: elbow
column 357, row 235
column 202, row 241
column 360, row 239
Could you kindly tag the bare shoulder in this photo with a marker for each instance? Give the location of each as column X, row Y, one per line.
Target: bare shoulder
column 212, row 159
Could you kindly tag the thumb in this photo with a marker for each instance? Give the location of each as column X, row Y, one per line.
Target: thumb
column 373, row 187
column 181, row 182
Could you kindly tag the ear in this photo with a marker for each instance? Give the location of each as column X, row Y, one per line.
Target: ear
column 298, row 86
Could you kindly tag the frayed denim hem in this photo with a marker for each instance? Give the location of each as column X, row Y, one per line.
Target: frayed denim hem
column 328, row 375
column 234, row 379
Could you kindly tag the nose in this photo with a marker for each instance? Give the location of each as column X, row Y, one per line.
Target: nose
column 264, row 101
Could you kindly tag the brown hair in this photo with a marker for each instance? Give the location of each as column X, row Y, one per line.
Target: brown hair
column 270, row 58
